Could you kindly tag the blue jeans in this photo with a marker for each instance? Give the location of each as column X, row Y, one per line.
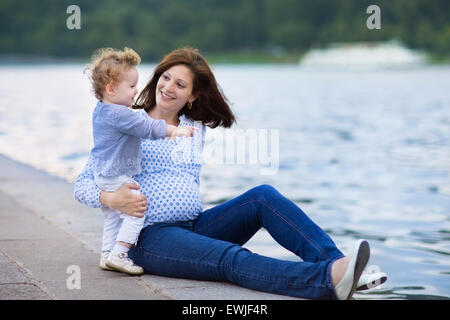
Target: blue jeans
column 210, row 247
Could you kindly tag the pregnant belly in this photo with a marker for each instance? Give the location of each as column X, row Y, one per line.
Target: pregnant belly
column 171, row 197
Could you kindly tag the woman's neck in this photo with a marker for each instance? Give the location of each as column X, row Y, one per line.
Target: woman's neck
column 171, row 118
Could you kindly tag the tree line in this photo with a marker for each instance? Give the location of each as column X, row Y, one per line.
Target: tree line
column 155, row 27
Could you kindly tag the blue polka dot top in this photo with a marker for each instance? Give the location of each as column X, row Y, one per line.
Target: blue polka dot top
column 169, row 178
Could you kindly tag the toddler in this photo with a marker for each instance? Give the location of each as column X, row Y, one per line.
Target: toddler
column 117, row 134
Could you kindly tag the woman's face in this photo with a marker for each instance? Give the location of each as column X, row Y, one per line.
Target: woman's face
column 174, row 88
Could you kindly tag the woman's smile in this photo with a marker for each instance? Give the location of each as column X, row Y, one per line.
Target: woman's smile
column 166, row 97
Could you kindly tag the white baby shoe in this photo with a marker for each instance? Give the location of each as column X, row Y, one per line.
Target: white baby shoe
column 121, row 262
column 358, row 261
column 103, row 257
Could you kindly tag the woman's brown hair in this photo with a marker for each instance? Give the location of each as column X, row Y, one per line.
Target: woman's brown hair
column 211, row 106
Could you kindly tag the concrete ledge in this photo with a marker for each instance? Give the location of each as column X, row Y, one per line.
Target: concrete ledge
column 44, row 230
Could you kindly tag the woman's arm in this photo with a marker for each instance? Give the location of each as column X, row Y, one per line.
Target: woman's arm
column 88, row 193
column 85, row 190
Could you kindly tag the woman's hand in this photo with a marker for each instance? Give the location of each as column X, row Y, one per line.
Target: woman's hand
column 124, row 200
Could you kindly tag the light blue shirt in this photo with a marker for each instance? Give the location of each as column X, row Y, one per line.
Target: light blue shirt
column 170, row 177
column 117, row 139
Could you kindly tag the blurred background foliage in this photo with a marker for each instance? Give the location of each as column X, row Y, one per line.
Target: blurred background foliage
column 243, row 28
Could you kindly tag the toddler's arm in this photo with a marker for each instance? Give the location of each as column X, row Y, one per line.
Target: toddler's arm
column 132, row 123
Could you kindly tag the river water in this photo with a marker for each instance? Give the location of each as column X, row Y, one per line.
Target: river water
column 365, row 154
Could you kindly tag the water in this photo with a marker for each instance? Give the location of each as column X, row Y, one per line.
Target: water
column 365, row 154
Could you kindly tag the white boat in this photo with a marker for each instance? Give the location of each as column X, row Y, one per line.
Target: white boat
column 363, row 55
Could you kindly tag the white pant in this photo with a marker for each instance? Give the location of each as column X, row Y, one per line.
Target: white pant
column 118, row 226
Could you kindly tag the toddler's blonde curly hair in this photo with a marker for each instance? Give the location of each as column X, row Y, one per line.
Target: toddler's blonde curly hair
column 107, row 65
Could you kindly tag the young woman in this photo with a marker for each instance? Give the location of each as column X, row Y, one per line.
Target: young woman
column 180, row 239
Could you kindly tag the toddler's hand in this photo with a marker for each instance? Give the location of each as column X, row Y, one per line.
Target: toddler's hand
column 184, row 131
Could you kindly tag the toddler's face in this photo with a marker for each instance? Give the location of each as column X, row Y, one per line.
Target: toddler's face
column 126, row 90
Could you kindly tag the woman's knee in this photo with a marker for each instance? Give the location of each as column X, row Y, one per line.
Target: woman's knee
column 264, row 192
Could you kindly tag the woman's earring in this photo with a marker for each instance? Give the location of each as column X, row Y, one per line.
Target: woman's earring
column 190, row 105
